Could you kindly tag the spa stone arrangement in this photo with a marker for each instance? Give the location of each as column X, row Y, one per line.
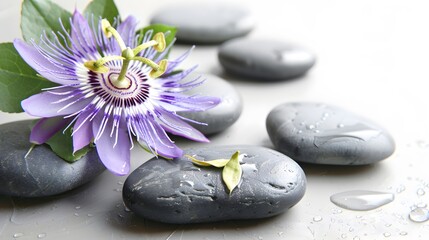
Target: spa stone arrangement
column 179, row 191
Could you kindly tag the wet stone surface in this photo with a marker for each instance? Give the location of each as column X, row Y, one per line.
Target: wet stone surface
column 42, row 172
column 323, row 134
column 267, row 60
column 206, row 23
column 224, row 114
column 179, row 192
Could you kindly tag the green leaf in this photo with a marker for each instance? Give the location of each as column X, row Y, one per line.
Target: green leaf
column 38, row 16
column 18, row 81
column 102, row 8
column 232, row 172
column 215, row 163
column 62, row 144
column 156, row 29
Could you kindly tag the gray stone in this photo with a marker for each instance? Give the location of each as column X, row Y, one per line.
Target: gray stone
column 176, row 191
column 224, row 114
column 265, row 59
column 323, row 134
column 42, row 172
column 206, row 23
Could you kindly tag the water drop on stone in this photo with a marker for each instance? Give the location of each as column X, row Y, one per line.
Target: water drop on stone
column 311, row 127
column 403, row 233
column 77, row 207
column 90, row 215
column 299, row 131
column 343, row 235
column 317, row 218
column 422, row 205
column 340, row 125
column 41, row 235
column 18, row 235
column 76, row 214
column 127, row 209
column 419, row 215
column 386, row 234
column 356, row 238
column 120, row 183
column 421, row 192
column 400, row 189
column 361, row 200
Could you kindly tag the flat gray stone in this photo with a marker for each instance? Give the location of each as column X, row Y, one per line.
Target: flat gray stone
column 323, row 134
column 265, row 59
column 42, row 173
column 176, row 191
column 224, row 114
column 206, row 23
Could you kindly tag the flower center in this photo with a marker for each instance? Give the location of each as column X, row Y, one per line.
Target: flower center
column 120, row 81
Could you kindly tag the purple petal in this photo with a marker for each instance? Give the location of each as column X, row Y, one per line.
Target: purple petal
column 45, row 128
column 116, row 158
column 82, row 131
column 46, row 104
column 82, row 35
column 185, row 103
column 127, row 30
column 175, row 125
column 158, row 140
column 39, row 63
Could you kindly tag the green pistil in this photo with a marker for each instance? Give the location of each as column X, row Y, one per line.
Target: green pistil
column 128, row 54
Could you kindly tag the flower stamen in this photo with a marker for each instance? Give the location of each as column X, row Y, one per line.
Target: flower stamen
column 127, row 55
column 98, row 66
column 157, row 42
column 110, row 31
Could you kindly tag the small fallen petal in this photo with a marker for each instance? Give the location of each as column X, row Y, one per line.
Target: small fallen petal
column 215, row 163
column 232, row 172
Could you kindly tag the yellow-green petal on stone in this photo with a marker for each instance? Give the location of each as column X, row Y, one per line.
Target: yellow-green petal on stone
column 232, row 172
column 215, row 163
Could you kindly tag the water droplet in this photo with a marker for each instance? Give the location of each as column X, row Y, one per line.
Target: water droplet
column 400, row 189
column 187, row 182
column 280, row 233
column 41, row 235
column 340, row 125
column 317, row 218
column 260, row 238
column 316, row 131
column 299, row 131
column 422, row 205
column 207, row 175
column 403, row 233
column 351, row 229
column 118, row 190
column 343, row 235
column 356, row 238
column 419, row 215
column 386, row 234
column 311, row 127
column 90, row 215
column 120, row 183
column 361, row 200
column 249, row 167
column 18, row 235
column 77, row 207
column 388, row 225
column 421, row 192
column 76, row 214
column 127, row 209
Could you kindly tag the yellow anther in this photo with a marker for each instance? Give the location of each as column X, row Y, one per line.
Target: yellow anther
column 98, row 66
column 160, row 39
column 95, row 67
column 156, row 72
column 105, row 25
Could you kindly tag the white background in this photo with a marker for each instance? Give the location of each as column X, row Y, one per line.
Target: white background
column 372, row 60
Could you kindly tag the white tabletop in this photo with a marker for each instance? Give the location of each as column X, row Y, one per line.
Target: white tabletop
column 372, row 60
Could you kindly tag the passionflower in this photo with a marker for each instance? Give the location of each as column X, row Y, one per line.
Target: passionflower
column 111, row 89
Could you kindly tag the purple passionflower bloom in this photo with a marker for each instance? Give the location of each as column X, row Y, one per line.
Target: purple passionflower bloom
column 99, row 107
